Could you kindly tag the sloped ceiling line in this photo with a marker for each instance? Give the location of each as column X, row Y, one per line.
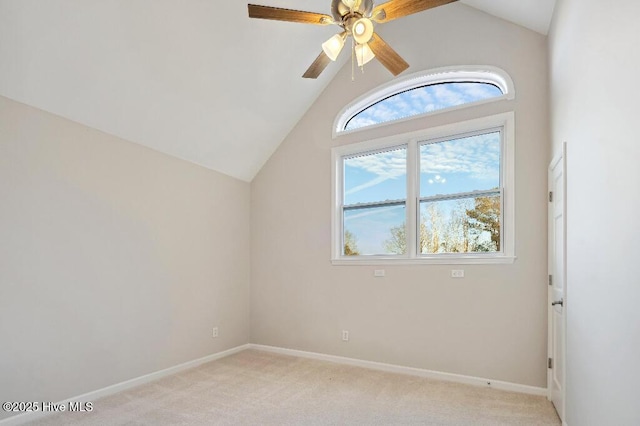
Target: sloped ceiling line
column 197, row 80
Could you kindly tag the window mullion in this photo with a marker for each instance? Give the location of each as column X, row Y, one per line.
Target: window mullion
column 461, row 195
column 413, row 174
column 359, row 206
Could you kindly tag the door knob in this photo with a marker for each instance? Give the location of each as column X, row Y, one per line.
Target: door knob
column 558, row 302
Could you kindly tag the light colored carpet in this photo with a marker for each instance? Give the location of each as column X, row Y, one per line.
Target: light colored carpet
column 261, row 388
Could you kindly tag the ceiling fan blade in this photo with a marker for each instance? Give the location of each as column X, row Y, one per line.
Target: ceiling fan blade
column 317, row 66
column 279, row 14
column 387, row 56
column 394, row 9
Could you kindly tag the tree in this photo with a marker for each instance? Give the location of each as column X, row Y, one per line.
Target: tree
column 471, row 225
column 485, row 217
column 397, row 243
column 431, row 234
column 350, row 244
column 431, row 230
column 456, row 238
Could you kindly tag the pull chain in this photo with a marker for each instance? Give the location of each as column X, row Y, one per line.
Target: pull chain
column 353, row 55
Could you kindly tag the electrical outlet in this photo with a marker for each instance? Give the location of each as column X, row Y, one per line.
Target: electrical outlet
column 379, row 273
column 457, row 273
column 345, row 335
column 215, row 331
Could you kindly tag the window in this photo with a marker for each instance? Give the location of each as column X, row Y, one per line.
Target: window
column 431, row 92
column 374, row 200
column 460, row 194
column 443, row 195
column 423, row 99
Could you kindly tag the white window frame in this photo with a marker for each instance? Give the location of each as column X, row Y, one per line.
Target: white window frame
column 466, row 73
column 504, row 121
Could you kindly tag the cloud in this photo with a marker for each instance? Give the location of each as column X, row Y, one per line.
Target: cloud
column 477, row 156
column 369, row 184
column 421, row 100
column 374, row 211
column 388, row 164
column 384, row 165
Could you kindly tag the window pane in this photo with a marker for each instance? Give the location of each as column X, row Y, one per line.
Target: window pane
column 468, row 225
column 376, row 177
column 374, row 230
column 460, row 165
column 421, row 100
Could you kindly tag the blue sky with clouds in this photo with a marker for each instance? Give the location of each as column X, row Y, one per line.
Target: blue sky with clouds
column 460, row 165
column 422, row 100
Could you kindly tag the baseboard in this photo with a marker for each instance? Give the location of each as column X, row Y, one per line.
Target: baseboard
column 119, row 387
column 391, row 368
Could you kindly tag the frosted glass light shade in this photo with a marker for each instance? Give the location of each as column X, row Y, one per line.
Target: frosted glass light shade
column 362, row 30
column 333, row 46
column 364, row 54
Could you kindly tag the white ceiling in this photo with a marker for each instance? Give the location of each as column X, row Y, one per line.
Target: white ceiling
column 197, row 80
column 532, row 14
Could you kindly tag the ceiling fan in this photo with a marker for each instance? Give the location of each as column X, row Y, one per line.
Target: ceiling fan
column 356, row 18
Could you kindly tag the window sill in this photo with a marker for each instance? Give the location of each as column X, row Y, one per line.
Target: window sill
column 446, row 260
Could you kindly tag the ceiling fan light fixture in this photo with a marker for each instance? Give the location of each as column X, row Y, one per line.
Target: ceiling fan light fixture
column 356, row 18
column 334, row 45
column 362, row 30
column 364, row 54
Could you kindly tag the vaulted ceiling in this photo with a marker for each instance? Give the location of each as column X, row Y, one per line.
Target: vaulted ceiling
column 197, row 80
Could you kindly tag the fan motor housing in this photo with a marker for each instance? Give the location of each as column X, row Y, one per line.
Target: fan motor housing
column 341, row 9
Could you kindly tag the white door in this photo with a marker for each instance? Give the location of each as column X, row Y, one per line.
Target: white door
column 557, row 281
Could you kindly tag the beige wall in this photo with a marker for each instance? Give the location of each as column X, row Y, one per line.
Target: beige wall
column 490, row 324
column 594, row 65
column 115, row 260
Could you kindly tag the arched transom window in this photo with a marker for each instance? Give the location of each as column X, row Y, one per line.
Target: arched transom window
column 425, row 93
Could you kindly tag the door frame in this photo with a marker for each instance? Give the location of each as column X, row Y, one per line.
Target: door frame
column 559, row 158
